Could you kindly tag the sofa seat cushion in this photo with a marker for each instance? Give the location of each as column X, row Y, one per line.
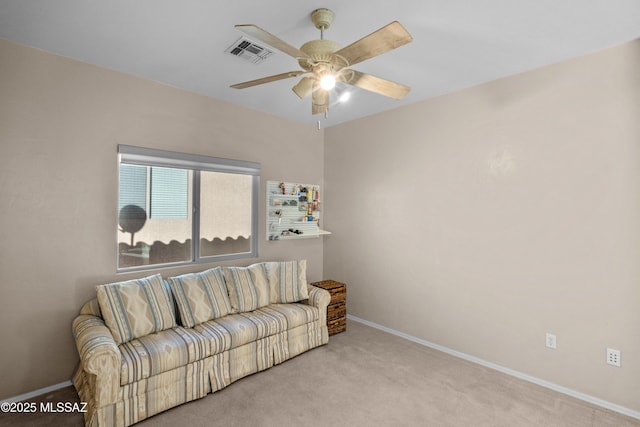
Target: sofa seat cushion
column 268, row 322
column 235, row 330
column 295, row 314
column 230, row 332
column 219, row 337
column 160, row 352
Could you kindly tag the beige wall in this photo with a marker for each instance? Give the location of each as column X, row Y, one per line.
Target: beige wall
column 60, row 123
column 483, row 219
column 479, row 220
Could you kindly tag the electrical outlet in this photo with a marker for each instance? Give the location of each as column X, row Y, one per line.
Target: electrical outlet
column 551, row 341
column 613, row 357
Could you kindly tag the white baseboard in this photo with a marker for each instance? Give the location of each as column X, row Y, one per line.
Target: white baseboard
column 38, row 392
column 555, row 387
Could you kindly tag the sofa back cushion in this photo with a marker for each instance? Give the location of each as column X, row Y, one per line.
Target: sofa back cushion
column 136, row 308
column 248, row 287
column 287, row 281
column 200, row 296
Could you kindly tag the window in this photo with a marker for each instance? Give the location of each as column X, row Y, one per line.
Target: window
column 177, row 208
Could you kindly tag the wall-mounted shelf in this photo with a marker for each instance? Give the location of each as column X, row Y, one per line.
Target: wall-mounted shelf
column 293, row 211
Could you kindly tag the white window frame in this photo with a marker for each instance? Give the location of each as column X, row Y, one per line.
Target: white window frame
column 129, row 154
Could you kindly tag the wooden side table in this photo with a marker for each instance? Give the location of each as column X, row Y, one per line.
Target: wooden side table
column 337, row 309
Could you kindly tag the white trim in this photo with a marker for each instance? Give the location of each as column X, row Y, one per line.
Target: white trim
column 38, row 392
column 555, row 387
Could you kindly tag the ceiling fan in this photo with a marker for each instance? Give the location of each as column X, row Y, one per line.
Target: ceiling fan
column 324, row 62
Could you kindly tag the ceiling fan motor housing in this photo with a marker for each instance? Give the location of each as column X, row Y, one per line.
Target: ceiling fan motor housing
column 322, row 18
column 321, row 52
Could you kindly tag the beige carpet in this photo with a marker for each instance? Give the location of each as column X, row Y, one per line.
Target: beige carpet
column 366, row 377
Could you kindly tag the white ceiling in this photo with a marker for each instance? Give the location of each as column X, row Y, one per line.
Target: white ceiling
column 457, row 43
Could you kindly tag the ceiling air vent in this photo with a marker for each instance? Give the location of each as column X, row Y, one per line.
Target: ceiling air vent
column 249, row 51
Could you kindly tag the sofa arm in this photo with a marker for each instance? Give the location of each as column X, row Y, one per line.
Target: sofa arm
column 320, row 299
column 99, row 356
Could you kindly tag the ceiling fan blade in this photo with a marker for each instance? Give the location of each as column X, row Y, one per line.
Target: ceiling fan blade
column 319, row 99
column 273, row 41
column 383, row 40
column 304, row 87
column 376, row 84
column 268, row 79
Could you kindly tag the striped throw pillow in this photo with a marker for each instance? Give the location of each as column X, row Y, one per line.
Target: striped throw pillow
column 136, row 308
column 248, row 287
column 200, row 296
column 287, row 281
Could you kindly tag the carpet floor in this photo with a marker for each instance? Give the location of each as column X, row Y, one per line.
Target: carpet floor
column 366, row 377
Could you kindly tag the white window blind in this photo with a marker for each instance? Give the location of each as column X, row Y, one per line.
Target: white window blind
column 169, row 193
column 133, row 186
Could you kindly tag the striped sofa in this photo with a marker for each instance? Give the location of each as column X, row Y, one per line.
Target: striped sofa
column 150, row 344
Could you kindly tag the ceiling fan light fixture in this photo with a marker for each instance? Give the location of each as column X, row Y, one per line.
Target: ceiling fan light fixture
column 327, row 82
